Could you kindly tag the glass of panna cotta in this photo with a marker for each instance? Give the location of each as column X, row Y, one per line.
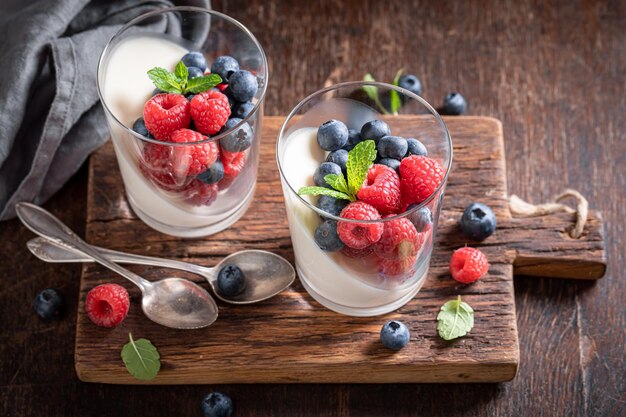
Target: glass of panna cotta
column 363, row 186
column 183, row 90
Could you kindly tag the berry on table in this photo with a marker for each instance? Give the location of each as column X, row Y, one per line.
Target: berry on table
column 224, row 66
column 49, row 304
column 419, row 178
column 374, row 130
column 391, row 163
column 107, row 305
column 468, row 265
column 217, row 404
column 195, row 59
column 242, row 110
column 199, row 193
column 454, row 104
column 359, row 235
column 411, row 83
column 210, row 111
column 325, row 168
column 231, row 281
column 339, row 157
column 394, row 335
column 415, row 147
column 354, row 137
column 326, row 236
column 478, row 221
column 392, row 147
column 213, row 174
column 140, row 127
column 164, row 114
column 422, row 219
column 332, row 135
column 194, row 72
column 238, row 140
column 331, row 205
column 243, row 85
column 381, row 189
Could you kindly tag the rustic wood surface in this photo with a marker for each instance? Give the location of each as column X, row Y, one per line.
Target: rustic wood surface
column 553, row 72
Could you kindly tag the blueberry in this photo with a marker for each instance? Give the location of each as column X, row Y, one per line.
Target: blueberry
column 422, row 219
column 332, row 135
column 140, row 127
column 157, row 91
column 411, row 83
column 224, row 66
column 375, row 130
column 195, row 59
column 240, row 139
column 217, row 404
column 340, row 157
column 415, row 147
column 392, row 147
column 194, row 72
column 326, row 168
column 214, row 174
column 243, row 85
column 478, row 221
column 231, row 281
column 190, row 97
column 49, row 304
column 331, row 205
column 454, row 104
column 242, row 110
column 391, row 163
column 354, row 137
column 326, row 236
column 394, row 335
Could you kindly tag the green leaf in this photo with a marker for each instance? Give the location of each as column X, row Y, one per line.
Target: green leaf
column 165, row 80
column 338, row 182
column 181, row 74
column 394, row 97
column 324, row 191
column 141, row 358
column 204, row 83
column 455, row 319
column 360, row 159
column 370, row 90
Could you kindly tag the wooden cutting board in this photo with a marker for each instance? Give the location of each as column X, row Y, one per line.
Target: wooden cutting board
column 291, row 338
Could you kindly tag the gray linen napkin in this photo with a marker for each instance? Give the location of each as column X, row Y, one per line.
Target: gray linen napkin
column 50, row 117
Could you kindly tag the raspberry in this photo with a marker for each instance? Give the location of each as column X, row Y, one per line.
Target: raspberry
column 157, row 167
column 222, row 87
column 419, row 178
column 164, row 114
column 107, row 305
column 359, row 236
column 356, row 253
column 209, row 111
column 381, row 189
column 399, row 240
column 468, row 265
column 393, row 267
column 199, row 193
column 233, row 162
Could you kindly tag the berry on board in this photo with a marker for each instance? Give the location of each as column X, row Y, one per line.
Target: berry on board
column 49, row 304
column 394, row 335
column 107, row 305
column 478, row 221
column 468, row 265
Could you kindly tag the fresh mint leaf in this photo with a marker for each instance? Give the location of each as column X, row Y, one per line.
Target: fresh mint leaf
column 181, row 73
column 204, row 83
column 165, row 80
column 360, row 159
column 338, row 182
column 141, row 358
column 455, row 319
column 394, row 97
column 324, row 191
column 370, row 90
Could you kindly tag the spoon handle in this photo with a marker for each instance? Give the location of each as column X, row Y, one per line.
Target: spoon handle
column 46, row 225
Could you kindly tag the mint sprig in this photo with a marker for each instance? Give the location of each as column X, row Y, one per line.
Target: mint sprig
column 360, row 159
column 177, row 83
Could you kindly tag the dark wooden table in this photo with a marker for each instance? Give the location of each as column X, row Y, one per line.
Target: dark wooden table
column 555, row 74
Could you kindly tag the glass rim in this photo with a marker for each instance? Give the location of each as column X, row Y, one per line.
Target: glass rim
column 209, row 139
column 326, row 215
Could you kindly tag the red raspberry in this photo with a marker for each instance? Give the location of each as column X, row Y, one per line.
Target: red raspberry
column 210, row 111
column 394, row 267
column 107, row 305
column 468, row 265
column 222, row 87
column 160, row 171
column 356, row 253
column 233, row 162
column 359, row 236
column 199, row 193
column 419, row 178
column 166, row 113
column 399, row 240
column 381, row 189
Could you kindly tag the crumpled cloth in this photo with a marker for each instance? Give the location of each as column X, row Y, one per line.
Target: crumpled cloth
column 50, row 116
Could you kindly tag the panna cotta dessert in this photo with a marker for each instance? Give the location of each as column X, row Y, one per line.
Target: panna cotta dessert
column 362, row 202
column 185, row 121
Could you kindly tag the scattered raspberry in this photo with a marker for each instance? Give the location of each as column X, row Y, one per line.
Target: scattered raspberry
column 164, row 114
column 107, row 305
column 381, row 189
column 359, row 236
column 419, row 178
column 468, row 265
column 356, row 253
column 399, row 240
column 233, row 162
column 394, row 267
column 210, row 111
column 199, row 193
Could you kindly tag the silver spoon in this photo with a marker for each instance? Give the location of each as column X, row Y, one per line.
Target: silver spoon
column 267, row 274
column 171, row 302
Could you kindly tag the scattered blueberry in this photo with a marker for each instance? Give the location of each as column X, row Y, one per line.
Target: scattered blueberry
column 195, row 59
column 415, row 147
column 325, row 168
column 231, row 281
column 478, row 221
column 454, row 104
column 354, row 137
column 224, row 66
column 194, row 72
column 217, row 404
column 140, row 127
column 374, row 130
column 214, row 174
column 422, row 219
column 411, row 83
column 326, row 236
column 332, row 135
column 340, row 157
column 394, row 335
column 49, row 304
column 240, row 139
column 331, row 205
column 392, row 147
column 243, row 85
column 391, row 163
column 242, row 110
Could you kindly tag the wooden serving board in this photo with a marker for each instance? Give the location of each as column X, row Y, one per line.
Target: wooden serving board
column 291, row 338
